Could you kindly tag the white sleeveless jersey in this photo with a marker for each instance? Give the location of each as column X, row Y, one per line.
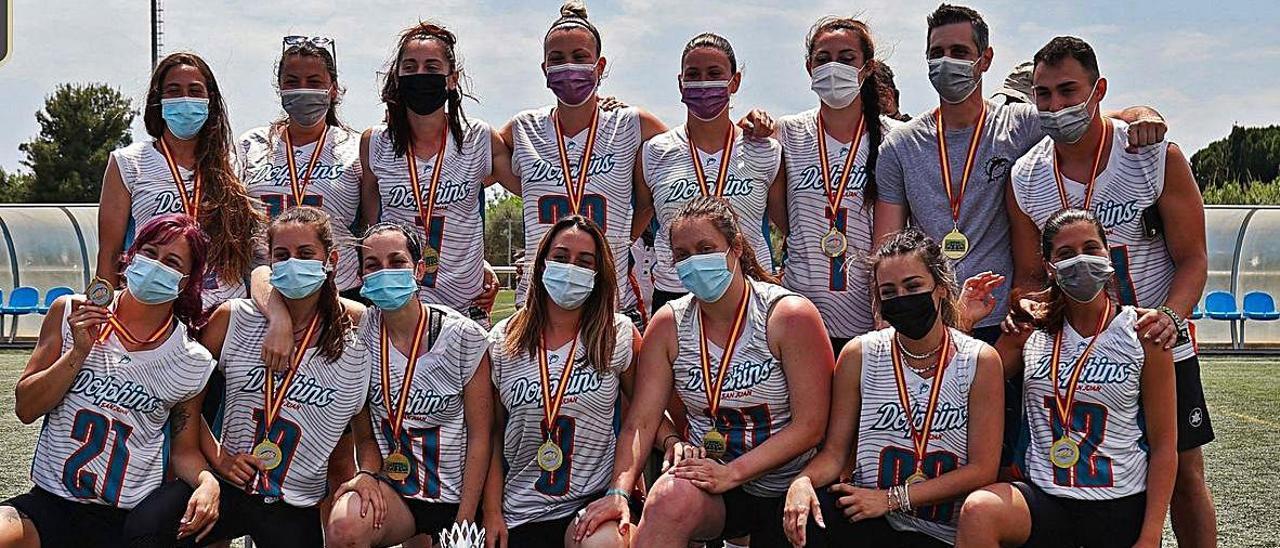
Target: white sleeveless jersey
column 334, row 184
column 886, row 454
column 1128, row 185
column 105, row 442
column 317, row 409
column 434, row 432
column 610, row 191
column 586, row 429
column 458, row 216
column 152, row 193
column 1106, row 418
column 669, row 172
column 755, row 403
column 837, row 286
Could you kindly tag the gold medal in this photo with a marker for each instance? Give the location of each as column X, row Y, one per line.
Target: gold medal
column 430, row 259
column 99, row 292
column 915, row 478
column 1064, row 453
column 427, row 206
column 396, row 466
column 834, row 243
column 955, row 245
column 269, row 454
column 550, row 458
column 714, row 443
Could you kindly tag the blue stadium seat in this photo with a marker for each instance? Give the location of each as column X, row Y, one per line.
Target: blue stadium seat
column 1259, row 305
column 1221, row 305
column 1196, row 312
column 24, row 300
column 52, row 295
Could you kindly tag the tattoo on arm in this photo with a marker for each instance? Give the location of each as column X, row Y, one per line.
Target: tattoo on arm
column 178, row 419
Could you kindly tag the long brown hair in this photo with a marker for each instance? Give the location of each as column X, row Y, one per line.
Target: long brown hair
column 599, row 333
column 335, row 325
column 227, row 213
column 1055, row 311
column 398, row 129
column 870, row 92
column 911, row 241
column 722, row 216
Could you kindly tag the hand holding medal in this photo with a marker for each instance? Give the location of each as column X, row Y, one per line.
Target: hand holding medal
column 713, row 441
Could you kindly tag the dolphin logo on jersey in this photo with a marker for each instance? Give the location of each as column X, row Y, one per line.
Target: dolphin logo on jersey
column 683, row 190
column 1097, row 370
column 948, row 416
column 449, row 191
column 526, row 391
column 544, row 170
column 811, row 178
column 741, row 376
column 421, row 402
column 305, row 390
column 278, row 175
column 107, row 389
column 1112, row 213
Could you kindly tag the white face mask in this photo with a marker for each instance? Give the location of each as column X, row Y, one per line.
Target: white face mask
column 1068, row 125
column 836, row 83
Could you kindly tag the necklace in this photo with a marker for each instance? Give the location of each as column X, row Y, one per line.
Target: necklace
column 919, row 357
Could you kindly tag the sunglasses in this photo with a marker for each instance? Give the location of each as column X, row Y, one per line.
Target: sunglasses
column 323, row 42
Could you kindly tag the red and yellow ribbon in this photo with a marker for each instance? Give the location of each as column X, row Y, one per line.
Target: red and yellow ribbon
column 396, row 414
column 726, row 156
column 299, row 185
column 275, row 396
column 713, row 391
column 551, row 403
column 920, row 437
column 1093, row 174
column 575, row 191
column 425, row 212
column 1064, row 405
column 834, row 199
column 956, row 197
column 191, row 203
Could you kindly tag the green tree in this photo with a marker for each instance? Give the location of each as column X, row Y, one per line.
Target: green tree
column 503, row 229
column 15, row 188
column 1247, row 154
column 79, row 127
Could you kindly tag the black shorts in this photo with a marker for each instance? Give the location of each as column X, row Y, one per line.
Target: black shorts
column 431, row 517
column 550, row 533
column 270, row 524
column 62, row 522
column 215, row 393
column 1194, row 427
column 1058, row 522
column 759, row 517
column 661, row 297
column 842, row 533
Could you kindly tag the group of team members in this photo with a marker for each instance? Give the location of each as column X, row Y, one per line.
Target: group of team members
column 855, row 394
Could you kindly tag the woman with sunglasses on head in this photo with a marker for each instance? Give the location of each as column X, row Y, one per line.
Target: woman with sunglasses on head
column 424, row 466
column 709, row 156
column 750, row 362
column 561, row 365
column 916, row 416
column 428, row 167
column 186, row 167
column 575, row 157
column 1101, row 437
column 114, row 382
column 830, row 156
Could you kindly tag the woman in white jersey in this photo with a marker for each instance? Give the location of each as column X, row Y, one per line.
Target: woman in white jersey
column 424, row 466
column 830, row 155
column 185, row 167
column 915, row 419
column 428, row 166
column 280, row 428
column 1100, row 433
column 750, row 362
column 709, row 156
column 575, row 157
column 107, row 377
column 560, row 365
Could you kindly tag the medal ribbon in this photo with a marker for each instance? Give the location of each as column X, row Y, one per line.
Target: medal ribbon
column 296, row 185
column 416, row 187
column 1064, row 406
column 834, row 199
column 739, row 324
column 190, row 204
column 1093, row 175
column 275, row 397
column 396, row 414
column 920, row 438
column 957, row 197
column 726, row 154
column 550, row 406
column 573, row 191
column 115, row 326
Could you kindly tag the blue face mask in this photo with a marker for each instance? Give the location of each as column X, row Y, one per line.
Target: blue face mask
column 568, row 285
column 707, row 276
column 150, row 281
column 184, row 116
column 391, row 288
column 298, row 278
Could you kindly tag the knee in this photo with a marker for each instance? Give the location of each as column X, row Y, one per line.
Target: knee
column 606, row 536
column 12, row 527
column 345, row 526
column 673, row 501
column 980, row 510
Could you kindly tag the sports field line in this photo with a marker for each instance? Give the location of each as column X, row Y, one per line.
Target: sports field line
column 1251, row 419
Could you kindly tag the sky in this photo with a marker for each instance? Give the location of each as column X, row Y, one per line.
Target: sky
column 1203, row 65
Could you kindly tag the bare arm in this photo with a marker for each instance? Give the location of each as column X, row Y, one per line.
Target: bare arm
column 370, row 198
column 1024, row 237
column 504, row 141
column 887, row 218
column 1158, row 404
column 842, row 426
column 492, row 498
column 644, row 211
column 113, row 221
column 777, row 204
column 478, row 404
column 650, row 399
column 368, row 454
column 185, row 423
column 1182, row 209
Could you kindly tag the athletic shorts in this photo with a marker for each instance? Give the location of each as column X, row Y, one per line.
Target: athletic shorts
column 1058, row 522
column 550, row 533
column 760, row 517
column 62, row 522
column 877, row 533
column 270, row 524
column 431, row 517
column 1194, row 427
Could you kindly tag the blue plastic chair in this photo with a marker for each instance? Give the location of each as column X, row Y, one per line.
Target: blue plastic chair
column 52, row 295
column 1196, row 312
column 1259, row 305
column 24, row 300
column 1221, row 305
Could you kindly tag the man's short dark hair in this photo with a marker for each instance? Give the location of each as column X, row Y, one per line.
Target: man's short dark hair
column 1062, row 47
column 947, row 14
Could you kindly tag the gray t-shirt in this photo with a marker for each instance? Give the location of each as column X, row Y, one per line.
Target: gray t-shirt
column 909, row 173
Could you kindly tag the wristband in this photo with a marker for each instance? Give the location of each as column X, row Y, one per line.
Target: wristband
column 615, row 492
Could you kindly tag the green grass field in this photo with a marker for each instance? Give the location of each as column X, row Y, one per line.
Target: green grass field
column 1244, row 401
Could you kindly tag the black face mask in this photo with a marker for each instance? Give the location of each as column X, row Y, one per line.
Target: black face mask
column 912, row 315
column 423, row 93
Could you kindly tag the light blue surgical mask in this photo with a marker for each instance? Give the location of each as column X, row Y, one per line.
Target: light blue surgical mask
column 568, row 285
column 390, row 288
column 707, row 276
column 152, row 282
column 184, row 116
column 298, row 278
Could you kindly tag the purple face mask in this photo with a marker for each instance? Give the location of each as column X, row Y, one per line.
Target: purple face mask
column 706, row 100
column 572, row 84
